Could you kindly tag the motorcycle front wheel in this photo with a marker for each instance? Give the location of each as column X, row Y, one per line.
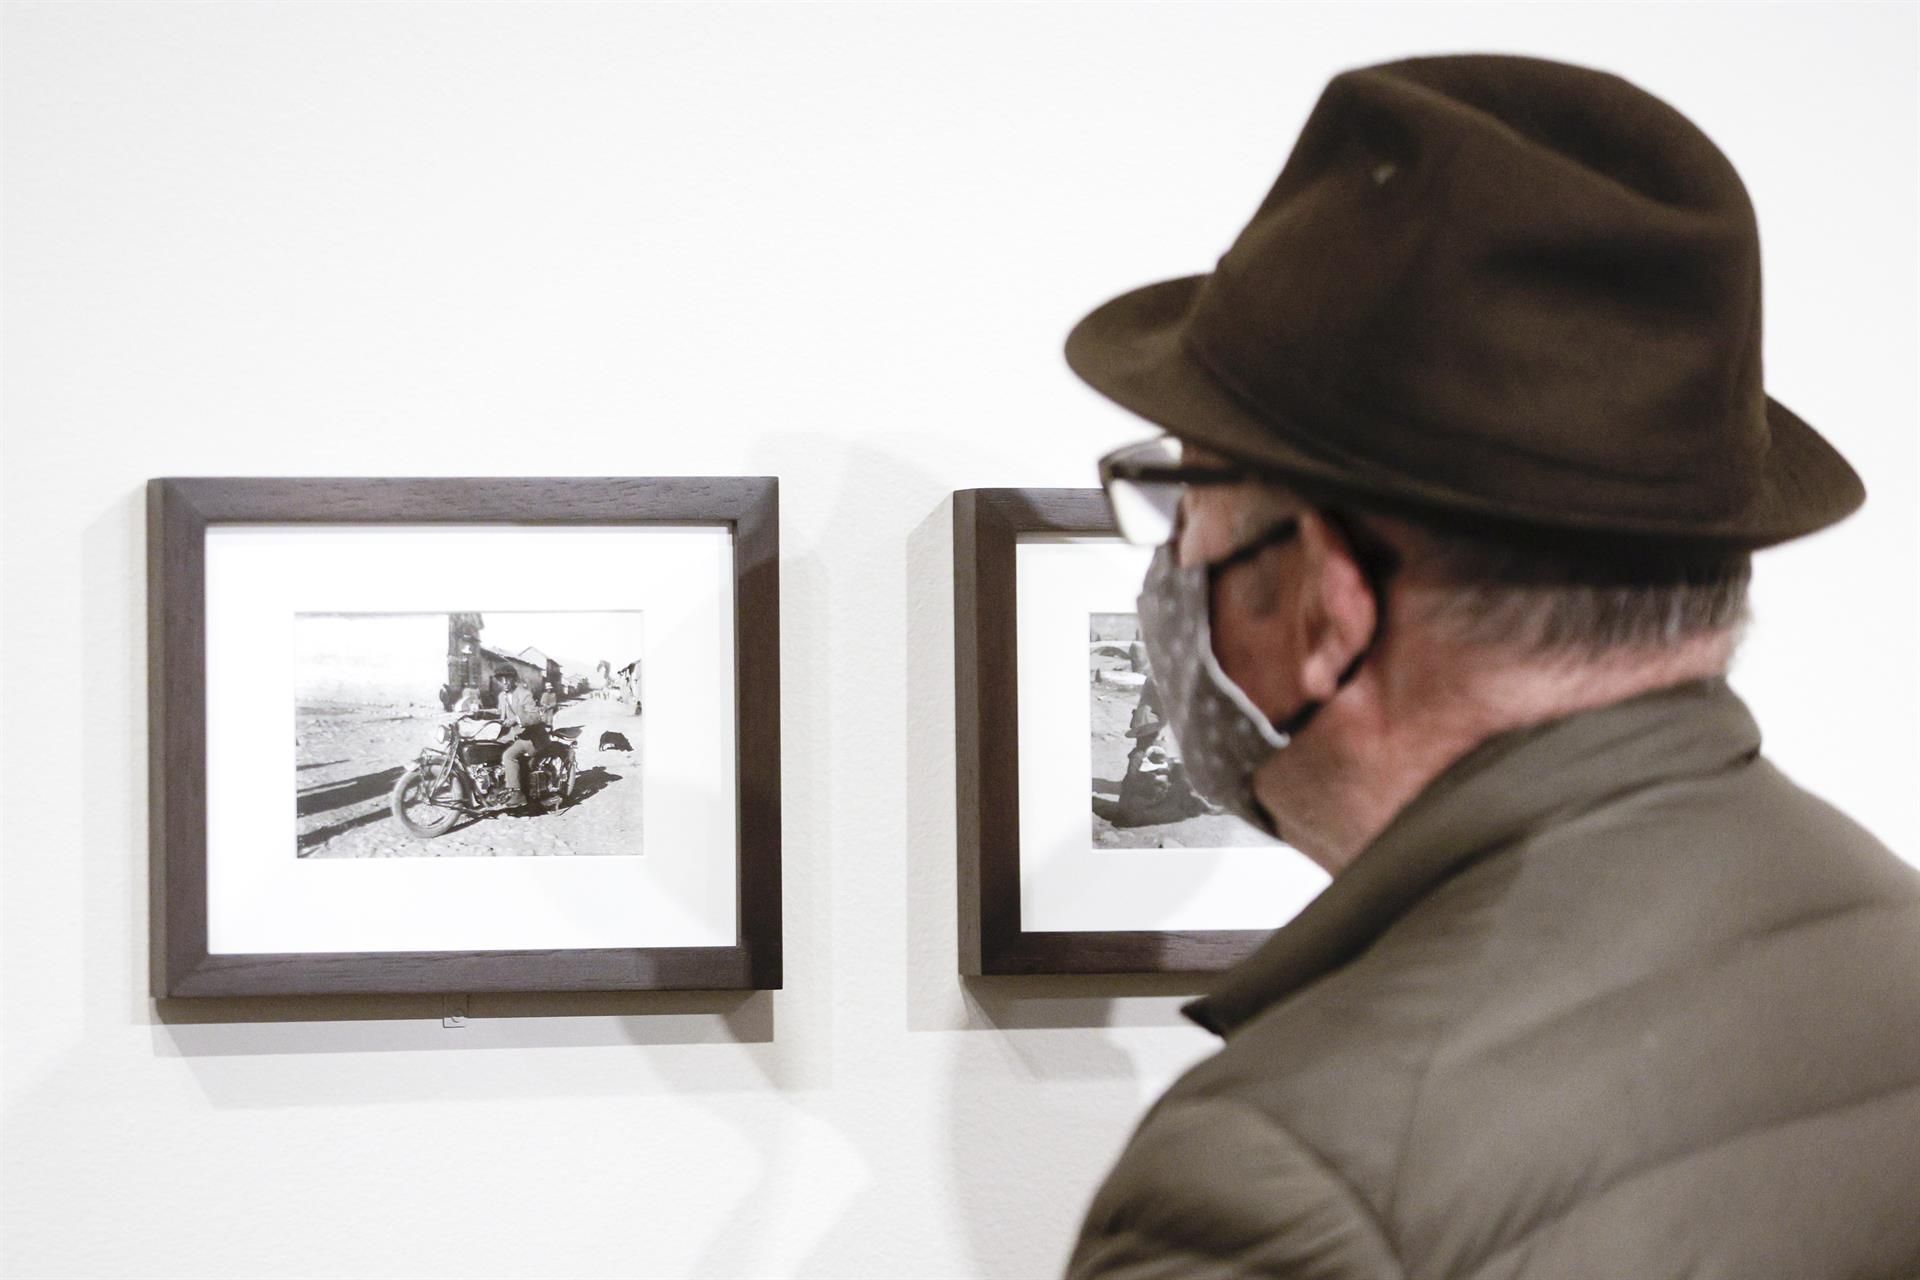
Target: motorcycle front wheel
column 563, row 787
column 420, row 813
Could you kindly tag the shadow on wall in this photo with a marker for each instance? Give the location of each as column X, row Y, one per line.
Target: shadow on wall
column 866, row 1191
column 395, row 1049
column 709, row 1027
column 1040, row 1095
column 937, row 999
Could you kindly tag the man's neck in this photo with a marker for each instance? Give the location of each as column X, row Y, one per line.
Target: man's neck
column 1336, row 789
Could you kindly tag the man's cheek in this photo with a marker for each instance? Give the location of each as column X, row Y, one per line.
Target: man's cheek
column 1249, row 647
column 1204, row 535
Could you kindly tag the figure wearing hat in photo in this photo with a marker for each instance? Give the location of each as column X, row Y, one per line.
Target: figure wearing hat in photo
column 526, row 719
column 1154, row 788
column 1468, row 450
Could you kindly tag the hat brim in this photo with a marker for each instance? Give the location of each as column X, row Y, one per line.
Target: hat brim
column 1133, row 350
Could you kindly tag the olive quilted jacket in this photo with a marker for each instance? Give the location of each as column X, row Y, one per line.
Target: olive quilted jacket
column 1612, row 998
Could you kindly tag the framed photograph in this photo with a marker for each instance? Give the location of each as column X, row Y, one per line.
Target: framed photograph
column 425, row 735
column 1082, row 848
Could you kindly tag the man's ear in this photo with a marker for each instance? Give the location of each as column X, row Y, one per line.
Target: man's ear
column 1339, row 608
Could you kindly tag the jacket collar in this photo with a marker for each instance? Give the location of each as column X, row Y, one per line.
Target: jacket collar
column 1492, row 797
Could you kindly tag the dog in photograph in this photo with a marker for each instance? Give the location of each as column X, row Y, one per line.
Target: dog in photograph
column 612, row 741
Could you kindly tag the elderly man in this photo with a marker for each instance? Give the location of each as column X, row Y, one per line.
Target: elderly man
column 1469, row 452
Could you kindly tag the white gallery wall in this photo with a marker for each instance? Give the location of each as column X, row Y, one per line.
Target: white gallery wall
column 840, row 245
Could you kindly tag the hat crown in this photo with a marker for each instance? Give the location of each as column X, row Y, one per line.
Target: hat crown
column 1474, row 263
column 1495, row 289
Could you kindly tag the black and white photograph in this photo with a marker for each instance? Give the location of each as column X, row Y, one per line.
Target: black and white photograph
column 522, row 767
column 477, row 734
column 1141, row 797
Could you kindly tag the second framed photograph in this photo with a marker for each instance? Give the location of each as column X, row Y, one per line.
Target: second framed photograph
column 1082, row 847
column 455, row 736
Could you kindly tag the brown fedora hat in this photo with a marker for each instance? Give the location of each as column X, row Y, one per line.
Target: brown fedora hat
column 1494, row 288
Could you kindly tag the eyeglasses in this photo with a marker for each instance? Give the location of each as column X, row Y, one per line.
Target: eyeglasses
column 1144, row 482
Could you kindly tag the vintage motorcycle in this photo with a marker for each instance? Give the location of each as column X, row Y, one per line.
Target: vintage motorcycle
column 461, row 776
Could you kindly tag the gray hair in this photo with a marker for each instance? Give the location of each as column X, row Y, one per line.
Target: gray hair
column 1544, row 599
column 1534, row 595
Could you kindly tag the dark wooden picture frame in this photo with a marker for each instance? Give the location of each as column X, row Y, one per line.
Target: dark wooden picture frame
column 986, row 525
column 178, row 514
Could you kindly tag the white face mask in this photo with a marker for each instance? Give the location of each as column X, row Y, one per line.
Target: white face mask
column 1223, row 737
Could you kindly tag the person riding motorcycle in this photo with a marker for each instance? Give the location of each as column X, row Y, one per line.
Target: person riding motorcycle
column 526, row 722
